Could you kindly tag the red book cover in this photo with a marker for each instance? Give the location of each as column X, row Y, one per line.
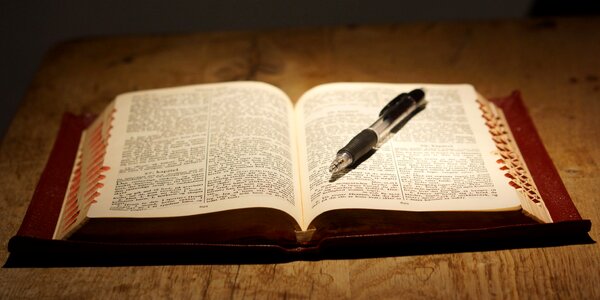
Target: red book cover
column 33, row 244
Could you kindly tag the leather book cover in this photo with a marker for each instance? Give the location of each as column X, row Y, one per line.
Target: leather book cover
column 33, row 244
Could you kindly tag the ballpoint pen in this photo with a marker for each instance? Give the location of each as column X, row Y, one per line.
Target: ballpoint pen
column 395, row 112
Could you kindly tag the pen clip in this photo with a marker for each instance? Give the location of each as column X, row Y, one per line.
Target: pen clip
column 394, row 103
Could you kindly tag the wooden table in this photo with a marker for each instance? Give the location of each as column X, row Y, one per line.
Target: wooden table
column 554, row 62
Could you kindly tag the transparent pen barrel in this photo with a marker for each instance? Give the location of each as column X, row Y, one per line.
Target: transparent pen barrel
column 386, row 123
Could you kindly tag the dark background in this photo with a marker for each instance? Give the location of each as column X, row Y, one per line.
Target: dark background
column 29, row 28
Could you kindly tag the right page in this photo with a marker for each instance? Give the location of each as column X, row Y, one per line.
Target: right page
column 443, row 159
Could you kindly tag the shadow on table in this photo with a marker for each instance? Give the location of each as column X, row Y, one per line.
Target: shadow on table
column 145, row 255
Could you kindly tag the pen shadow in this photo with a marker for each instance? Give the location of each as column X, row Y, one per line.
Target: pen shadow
column 354, row 165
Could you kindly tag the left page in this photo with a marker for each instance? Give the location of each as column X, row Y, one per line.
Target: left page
column 199, row 149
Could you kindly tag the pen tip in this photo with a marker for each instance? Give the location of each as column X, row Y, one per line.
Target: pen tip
column 340, row 162
column 333, row 168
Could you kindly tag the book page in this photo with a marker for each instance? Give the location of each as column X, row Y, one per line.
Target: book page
column 85, row 175
column 443, row 159
column 199, row 149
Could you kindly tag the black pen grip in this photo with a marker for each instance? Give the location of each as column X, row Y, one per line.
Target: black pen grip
column 360, row 144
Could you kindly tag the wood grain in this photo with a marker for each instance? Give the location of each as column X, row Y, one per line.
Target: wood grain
column 554, row 62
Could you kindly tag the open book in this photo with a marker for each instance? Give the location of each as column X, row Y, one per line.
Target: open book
column 239, row 161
